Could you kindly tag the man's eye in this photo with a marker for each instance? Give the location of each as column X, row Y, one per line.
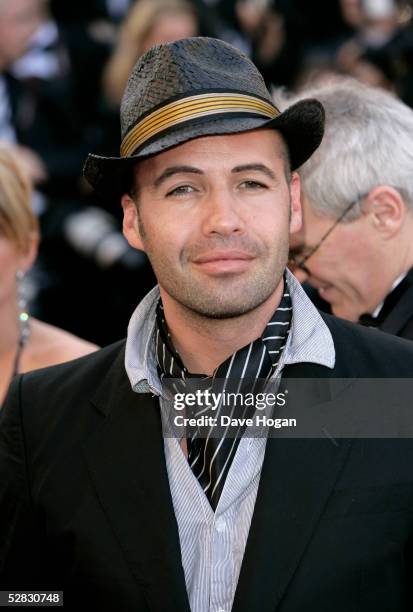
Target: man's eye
column 181, row 190
column 252, row 185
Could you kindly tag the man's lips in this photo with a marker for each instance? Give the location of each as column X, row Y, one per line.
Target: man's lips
column 222, row 256
column 218, row 262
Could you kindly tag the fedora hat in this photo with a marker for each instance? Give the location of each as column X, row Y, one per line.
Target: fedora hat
column 197, row 87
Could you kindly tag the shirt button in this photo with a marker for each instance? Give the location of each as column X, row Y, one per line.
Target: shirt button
column 220, row 527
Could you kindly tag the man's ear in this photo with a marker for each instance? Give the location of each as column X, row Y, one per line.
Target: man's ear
column 387, row 210
column 131, row 228
column 295, row 198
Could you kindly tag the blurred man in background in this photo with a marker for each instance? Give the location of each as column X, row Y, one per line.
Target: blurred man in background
column 19, row 20
column 356, row 248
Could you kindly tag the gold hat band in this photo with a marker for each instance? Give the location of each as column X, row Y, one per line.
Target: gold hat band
column 201, row 105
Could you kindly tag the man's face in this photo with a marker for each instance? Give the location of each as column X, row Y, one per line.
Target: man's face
column 214, row 220
column 345, row 267
column 19, row 19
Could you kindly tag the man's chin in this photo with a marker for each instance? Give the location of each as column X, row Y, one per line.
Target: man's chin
column 228, row 300
column 221, row 311
column 215, row 307
column 340, row 310
column 222, row 315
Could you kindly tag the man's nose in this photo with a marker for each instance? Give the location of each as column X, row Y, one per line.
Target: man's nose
column 222, row 214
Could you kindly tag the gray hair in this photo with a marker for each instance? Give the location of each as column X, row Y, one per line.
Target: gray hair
column 368, row 142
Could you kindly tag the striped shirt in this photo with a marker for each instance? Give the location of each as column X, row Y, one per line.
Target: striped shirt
column 213, row 543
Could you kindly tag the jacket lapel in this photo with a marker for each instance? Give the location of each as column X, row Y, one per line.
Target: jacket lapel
column 297, row 478
column 400, row 314
column 127, row 466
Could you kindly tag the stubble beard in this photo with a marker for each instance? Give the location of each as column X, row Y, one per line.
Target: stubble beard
column 228, row 296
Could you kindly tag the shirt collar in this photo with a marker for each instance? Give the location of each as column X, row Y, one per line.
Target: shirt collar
column 310, row 339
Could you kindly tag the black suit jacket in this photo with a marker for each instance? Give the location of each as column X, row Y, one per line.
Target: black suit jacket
column 397, row 319
column 85, row 504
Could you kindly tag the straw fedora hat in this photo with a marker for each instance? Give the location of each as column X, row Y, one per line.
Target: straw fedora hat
column 191, row 88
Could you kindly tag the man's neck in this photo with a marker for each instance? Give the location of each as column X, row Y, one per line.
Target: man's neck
column 204, row 343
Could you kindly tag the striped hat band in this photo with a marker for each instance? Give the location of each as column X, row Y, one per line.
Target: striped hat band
column 194, row 107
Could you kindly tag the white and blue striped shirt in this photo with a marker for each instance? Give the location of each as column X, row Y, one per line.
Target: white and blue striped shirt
column 213, row 544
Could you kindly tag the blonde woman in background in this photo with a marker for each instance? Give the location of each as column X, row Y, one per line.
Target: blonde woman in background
column 25, row 343
column 148, row 23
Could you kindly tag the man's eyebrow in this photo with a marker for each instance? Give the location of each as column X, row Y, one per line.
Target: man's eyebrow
column 171, row 170
column 256, row 168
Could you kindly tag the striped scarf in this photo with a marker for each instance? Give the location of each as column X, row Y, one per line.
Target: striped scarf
column 246, row 370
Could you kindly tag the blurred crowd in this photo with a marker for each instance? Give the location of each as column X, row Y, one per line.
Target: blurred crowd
column 63, row 68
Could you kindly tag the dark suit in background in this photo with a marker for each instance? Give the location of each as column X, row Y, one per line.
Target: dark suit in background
column 396, row 316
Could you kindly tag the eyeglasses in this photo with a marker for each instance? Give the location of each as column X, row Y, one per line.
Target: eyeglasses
column 298, row 262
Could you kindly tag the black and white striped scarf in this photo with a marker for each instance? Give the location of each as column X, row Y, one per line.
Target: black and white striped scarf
column 209, row 457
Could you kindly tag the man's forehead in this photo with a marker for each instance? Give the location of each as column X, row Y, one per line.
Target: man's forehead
column 209, row 151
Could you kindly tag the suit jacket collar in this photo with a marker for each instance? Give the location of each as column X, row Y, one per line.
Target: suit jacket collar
column 400, row 311
column 126, row 462
column 297, row 478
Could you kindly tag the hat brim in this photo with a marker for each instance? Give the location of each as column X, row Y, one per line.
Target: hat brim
column 301, row 125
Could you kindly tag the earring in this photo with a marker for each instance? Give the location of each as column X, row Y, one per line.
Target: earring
column 23, row 316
